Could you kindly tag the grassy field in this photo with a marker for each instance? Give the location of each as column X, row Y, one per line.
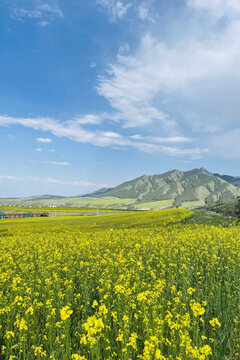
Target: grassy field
column 153, row 205
column 192, row 204
column 99, row 201
column 70, row 202
column 105, row 203
column 145, row 285
column 63, row 209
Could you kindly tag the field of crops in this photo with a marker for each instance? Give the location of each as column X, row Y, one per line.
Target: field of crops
column 131, row 286
column 58, row 209
column 154, row 204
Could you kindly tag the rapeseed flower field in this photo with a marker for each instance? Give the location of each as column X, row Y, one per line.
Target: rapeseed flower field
column 146, row 286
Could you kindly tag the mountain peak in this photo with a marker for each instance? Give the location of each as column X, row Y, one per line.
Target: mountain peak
column 178, row 187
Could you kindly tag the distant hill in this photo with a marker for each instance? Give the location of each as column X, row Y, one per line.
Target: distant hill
column 189, row 189
column 97, row 192
column 197, row 185
column 234, row 180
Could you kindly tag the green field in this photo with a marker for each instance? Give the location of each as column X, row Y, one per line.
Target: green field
column 70, row 202
column 57, row 209
column 99, row 201
column 90, row 203
column 192, row 204
column 153, row 205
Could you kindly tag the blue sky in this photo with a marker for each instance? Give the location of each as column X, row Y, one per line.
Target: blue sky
column 94, row 93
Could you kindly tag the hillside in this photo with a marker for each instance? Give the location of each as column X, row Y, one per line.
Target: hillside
column 190, row 189
column 195, row 186
column 234, row 180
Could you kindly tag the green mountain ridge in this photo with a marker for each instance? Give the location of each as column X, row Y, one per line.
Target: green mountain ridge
column 197, row 185
column 175, row 188
column 234, row 180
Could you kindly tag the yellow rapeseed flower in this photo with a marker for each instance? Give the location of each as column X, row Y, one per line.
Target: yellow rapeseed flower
column 65, row 313
column 197, row 309
column 214, row 322
column 77, row 357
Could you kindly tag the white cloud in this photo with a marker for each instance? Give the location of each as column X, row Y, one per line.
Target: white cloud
column 217, row 8
column 63, row 182
column 52, row 181
column 44, row 12
column 44, row 23
column 158, row 139
column 194, row 153
column 74, row 131
column 38, row 150
column 89, row 119
column 144, row 11
column 200, row 69
column 51, row 9
column 133, row 83
column 44, row 140
column 130, row 86
column 59, row 163
column 10, row 177
column 115, row 9
column 71, row 129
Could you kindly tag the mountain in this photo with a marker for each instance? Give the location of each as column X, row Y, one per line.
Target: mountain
column 190, row 189
column 234, row 180
column 97, row 192
column 197, row 185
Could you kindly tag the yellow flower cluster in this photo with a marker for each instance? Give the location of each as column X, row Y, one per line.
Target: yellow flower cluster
column 197, row 309
column 214, row 322
column 65, row 313
column 160, row 289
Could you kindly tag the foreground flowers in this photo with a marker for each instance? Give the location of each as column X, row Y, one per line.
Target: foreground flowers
column 164, row 292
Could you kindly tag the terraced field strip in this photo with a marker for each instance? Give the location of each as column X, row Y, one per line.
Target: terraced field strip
column 192, row 204
column 153, row 204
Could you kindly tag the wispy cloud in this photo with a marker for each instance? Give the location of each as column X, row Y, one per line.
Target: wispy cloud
column 58, row 163
column 38, row 150
column 43, row 12
column 74, row 131
column 43, row 23
column 10, row 177
column 90, row 119
column 193, row 153
column 63, row 182
column 115, row 9
column 120, row 9
column 217, row 8
column 50, row 180
column 158, row 139
column 44, row 140
column 144, row 10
